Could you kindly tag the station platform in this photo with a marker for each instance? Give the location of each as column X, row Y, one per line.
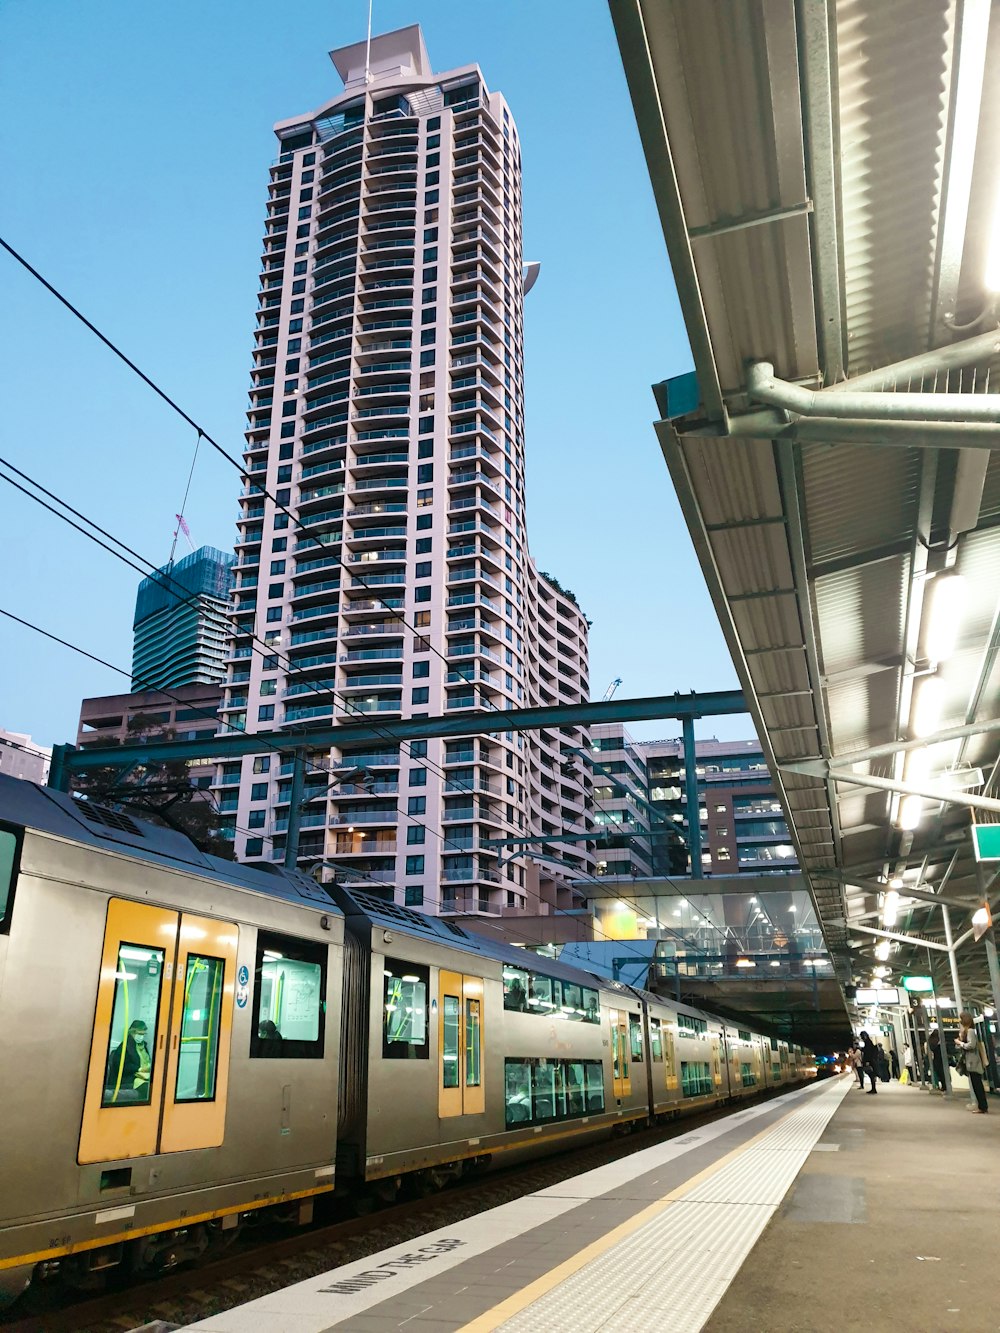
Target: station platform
column 650, row 1242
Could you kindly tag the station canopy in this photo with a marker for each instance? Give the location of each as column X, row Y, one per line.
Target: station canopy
column 827, row 177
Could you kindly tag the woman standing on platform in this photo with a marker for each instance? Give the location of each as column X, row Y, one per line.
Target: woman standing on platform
column 937, row 1060
column 968, row 1041
column 869, row 1062
column 854, row 1055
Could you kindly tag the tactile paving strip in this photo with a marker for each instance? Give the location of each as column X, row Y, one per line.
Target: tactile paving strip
column 657, row 1279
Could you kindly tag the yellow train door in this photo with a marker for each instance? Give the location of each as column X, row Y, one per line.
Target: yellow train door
column 460, row 1045
column 620, row 1075
column 159, row 1058
column 194, row 1111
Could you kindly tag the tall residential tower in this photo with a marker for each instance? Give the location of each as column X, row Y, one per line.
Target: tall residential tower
column 392, row 577
column 181, row 623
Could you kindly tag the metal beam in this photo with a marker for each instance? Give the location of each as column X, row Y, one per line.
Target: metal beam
column 819, row 768
column 922, row 895
column 867, row 405
column 896, row 935
column 950, row 796
column 675, row 706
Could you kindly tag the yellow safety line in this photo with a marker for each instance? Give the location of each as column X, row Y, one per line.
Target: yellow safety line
column 520, row 1300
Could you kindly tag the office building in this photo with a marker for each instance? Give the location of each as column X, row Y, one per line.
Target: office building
column 181, row 623
column 390, row 575
column 742, row 825
column 187, row 713
column 20, row 757
column 621, row 804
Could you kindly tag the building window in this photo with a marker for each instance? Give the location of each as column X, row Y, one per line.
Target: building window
column 418, row 749
column 255, row 847
column 416, row 805
column 420, row 671
column 413, row 894
column 262, row 764
column 422, row 594
column 414, row 865
column 258, row 791
column 421, row 695
column 268, row 687
column 265, row 713
column 422, row 569
column 256, row 818
column 415, row 835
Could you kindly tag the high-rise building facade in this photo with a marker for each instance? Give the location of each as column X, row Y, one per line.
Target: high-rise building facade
column 743, row 827
column 389, row 576
column 20, row 757
column 181, row 624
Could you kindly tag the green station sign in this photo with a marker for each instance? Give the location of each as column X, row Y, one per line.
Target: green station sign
column 986, row 841
column 918, row 983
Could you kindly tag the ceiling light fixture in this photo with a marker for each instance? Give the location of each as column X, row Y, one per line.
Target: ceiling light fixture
column 890, row 908
column 944, row 614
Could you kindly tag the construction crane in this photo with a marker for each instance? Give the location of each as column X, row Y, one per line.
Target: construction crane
column 611, row 688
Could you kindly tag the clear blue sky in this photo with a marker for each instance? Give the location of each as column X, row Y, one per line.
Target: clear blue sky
column 135, row 152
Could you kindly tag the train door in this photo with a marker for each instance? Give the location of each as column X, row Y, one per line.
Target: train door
column 620, row 1075
column 716, row 1042
column 460, row 1045
column 159, row 1057
column 670, row 1055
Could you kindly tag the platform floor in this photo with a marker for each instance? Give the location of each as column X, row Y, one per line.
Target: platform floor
column 651, row 1242
column 892, row 1223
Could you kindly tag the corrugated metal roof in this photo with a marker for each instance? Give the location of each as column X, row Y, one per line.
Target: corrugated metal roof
column 853, row 529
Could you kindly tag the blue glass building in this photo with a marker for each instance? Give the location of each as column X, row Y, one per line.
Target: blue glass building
column 181, row 626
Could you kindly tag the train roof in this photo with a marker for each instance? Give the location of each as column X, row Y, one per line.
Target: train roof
column 44, row 810
column 390, row 916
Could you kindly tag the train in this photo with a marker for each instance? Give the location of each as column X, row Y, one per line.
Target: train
column 189, row 1045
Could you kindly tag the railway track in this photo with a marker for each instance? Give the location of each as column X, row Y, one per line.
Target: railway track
column 257, row 1266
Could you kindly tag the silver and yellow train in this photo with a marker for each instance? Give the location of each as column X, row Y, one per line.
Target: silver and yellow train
column 186, row 1042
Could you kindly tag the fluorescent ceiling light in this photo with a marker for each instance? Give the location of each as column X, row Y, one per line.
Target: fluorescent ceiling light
column 910, row 810
column 890, row 907
column 946, row 603
column 882, row 950
column 928, row 704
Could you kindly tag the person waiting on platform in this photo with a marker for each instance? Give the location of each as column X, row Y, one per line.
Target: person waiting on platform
column 967, row 1042
column 908, row 1064
column 129, row 1067
column 854, row 1055
column 894, row 1062
column 869, row 1062
column 937, row 1061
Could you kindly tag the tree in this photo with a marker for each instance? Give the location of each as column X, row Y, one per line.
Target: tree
column 159, row 791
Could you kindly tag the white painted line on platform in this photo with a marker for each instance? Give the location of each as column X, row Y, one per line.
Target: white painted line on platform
column 321, row 1302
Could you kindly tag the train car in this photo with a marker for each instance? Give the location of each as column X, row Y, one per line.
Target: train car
column 460, row 1050
column 170, row 1049
column 188, row 1042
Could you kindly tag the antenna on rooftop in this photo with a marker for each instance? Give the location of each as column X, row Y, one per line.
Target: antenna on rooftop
column 368, row 46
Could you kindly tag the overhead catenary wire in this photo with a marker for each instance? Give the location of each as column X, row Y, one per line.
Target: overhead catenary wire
column 233, row 462
column 358, row 580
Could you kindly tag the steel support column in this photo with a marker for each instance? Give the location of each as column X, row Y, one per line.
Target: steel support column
column 295, row 808
column 691, row 796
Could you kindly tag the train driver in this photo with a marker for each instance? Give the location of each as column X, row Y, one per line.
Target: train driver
column 130, row 1064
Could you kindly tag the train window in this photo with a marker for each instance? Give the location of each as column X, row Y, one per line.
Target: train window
column 135, row 1009
column 8, row 875
column 517, row 1091
column 635, row 1037
column 655, row 1039
column 690, row 1027
column 198, row 1055
column 289, row 1000
column 540, row 994
column 540, row 1091
column 576, row 1088
column 744, row 1035
column 591, row 1005
column 450, row 1041
column 548, row 1092
column 404, row 1032
column 515, row 989
column 473, row 1043
column 696, row 1078
column 572, row 1001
